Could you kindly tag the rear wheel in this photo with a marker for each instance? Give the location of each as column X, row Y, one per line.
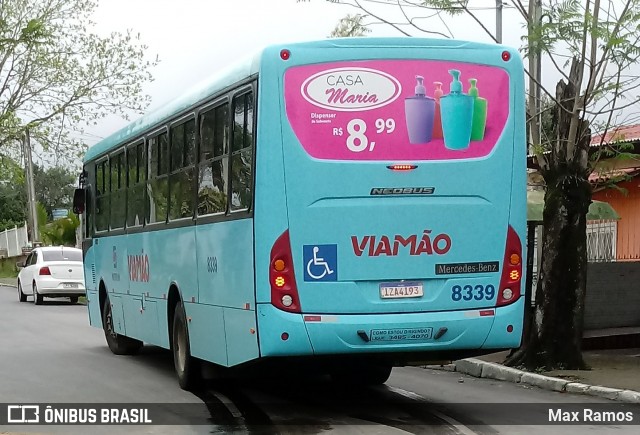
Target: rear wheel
column 187, row 367
column 118, row 344
column 21, row 296
column 361, row 374
column 73, row 299
column 37, row 297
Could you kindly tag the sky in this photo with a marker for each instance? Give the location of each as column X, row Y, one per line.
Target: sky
column 197, row 37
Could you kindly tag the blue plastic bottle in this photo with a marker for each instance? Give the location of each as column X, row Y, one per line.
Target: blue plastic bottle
column 457, row 115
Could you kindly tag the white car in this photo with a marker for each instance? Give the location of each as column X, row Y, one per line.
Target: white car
column 52, row 272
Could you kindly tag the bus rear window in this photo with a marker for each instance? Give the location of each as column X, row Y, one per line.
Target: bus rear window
column 397, row 109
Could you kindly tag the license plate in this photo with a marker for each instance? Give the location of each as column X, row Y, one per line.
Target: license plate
column 394, row 290
column 401, row 334
column 69, row 285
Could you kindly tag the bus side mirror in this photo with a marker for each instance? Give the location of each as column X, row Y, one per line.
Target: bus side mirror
column 79, row 201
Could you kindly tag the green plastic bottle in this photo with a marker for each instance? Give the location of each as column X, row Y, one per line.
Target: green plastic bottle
column 479, row 112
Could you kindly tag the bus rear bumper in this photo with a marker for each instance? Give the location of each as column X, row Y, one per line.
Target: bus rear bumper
column 325, row 334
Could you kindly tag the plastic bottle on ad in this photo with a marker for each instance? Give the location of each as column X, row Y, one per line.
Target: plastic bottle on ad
column 457, row 115
column 437, row 119
column 419, row 113
column 479, row 112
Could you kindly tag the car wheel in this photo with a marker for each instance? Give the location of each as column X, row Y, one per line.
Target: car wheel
column 187, row 367
column 118, row 344
column 73, row 299
column 37, row 297
column 21, row 296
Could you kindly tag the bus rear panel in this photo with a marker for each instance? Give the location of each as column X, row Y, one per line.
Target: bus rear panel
column 390, row 198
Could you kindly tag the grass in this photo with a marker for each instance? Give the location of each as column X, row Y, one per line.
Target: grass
column 8, row 268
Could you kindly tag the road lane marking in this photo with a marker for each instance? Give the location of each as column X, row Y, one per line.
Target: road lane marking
column 461, row 428
column 228, row 404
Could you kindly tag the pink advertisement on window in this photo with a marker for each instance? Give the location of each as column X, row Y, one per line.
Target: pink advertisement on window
column 397, row 109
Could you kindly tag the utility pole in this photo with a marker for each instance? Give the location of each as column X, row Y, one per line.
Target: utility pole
column 31, row 191
column 539, row 73
column 499, row 21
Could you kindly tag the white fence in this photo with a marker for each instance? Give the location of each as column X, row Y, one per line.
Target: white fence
column 12, row 241
column 602, row 237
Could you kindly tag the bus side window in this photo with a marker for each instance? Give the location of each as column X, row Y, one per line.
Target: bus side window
column 102, row 196
column 214, row 161
column 181, row 180
column 136, row 185
column 118, row 191
column 158, row 179
column 88, row 212
column 242, row 153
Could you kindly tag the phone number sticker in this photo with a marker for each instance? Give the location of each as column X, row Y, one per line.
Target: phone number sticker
column 401, row 334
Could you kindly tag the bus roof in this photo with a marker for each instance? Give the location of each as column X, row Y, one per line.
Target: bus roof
column 243, row 69
column 216, row 82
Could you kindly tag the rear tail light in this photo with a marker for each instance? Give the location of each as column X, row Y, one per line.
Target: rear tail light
column 511, row 279
column 45, row 270
column 402, row 167
column 284, row 292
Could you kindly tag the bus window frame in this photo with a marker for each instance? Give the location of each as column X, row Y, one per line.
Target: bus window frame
column 227, row 94
column 147, row 138
column 96, row 163
column 182, row 120
column 89, row 216
column 112, row 158
column 133, row 145
column 240, row 91
column 210, row 107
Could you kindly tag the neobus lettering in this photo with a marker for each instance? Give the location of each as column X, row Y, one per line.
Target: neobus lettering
column 402, row 190
column 375, row 247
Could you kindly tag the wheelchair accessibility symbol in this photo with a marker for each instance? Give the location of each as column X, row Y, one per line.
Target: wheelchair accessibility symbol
column 321, row 262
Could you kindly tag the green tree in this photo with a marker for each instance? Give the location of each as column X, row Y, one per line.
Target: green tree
column 592, row 44
column 56, row 76
column 13, row 204
column 61, row 231
column 349, row 26
column 13, row 195
column 54, row 187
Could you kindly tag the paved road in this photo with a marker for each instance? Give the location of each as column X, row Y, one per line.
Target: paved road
column 49, row 354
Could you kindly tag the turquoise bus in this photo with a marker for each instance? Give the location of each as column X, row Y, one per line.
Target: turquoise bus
column 355, row 203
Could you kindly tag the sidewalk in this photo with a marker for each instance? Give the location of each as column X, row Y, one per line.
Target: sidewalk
column 615, row 368
column 614, row 374
column 11, row 282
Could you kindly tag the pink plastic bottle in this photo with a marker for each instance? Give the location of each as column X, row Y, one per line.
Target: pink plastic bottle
column 437, row 121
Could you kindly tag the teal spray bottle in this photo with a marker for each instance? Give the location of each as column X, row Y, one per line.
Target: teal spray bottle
column 457, row 115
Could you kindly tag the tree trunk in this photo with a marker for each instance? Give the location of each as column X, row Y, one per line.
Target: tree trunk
column 554, row 336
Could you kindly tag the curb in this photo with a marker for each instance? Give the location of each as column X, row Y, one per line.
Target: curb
column 5, row 284
column 483, row 369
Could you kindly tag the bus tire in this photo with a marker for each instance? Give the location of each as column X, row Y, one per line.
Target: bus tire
column 118, row 344
column 362, row 374
column 187, row 367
